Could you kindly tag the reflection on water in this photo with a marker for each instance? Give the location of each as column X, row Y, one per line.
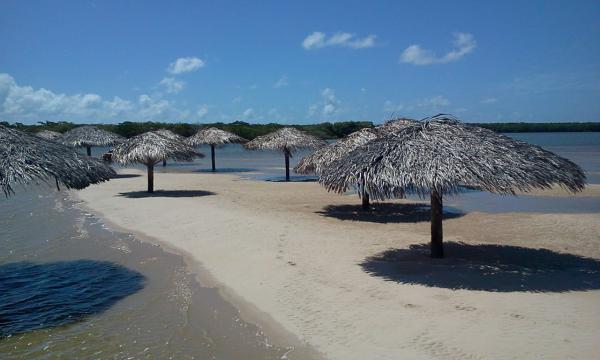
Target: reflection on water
column 36, row 296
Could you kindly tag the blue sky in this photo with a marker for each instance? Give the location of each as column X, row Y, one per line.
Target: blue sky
column 298, row 62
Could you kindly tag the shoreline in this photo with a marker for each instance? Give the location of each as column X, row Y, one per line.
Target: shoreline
column 274, row 332
column 300, row 320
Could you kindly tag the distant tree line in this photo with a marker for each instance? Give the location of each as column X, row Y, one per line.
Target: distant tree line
column 325, row 130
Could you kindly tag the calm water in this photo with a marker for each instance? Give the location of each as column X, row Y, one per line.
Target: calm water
column 581, row 148
column 71, row 288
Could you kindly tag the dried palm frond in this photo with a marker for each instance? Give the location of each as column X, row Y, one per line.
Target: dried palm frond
column 214, row 136
column 84, row 136
column 48, row 134
column 26, row 158
column 438, row 156
column 150, row 148
column 286, row 140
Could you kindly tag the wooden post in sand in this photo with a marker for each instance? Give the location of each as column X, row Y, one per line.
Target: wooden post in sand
column 364, row 196
column 365, row 201
column 437, row 236
column 150, row 166
column 287, row 165
column 212, row 156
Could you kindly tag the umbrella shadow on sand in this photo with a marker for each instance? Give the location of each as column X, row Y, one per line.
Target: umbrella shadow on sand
column 225, row 170
column 386, row 213
column 125, row 176
column 496, row 268
column 36, row 296
column 166, row 193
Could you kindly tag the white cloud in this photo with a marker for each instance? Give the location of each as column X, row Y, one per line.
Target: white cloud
column 281, row 82
column 464, row 43
column 331, row 103
column 328, row 106
column 155, row 108
column 237, row 99
column 489, row 100
column 312, row 110
column 248, row 114
column 173, row 86
column 420, row 106
column 24, row 103
column 318, row 40
column 185, row 64
column 314, row 41
column 434, row 102
column 202, row 112
column 389, row 106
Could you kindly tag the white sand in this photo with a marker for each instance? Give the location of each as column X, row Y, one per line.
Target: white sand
column 267, row 244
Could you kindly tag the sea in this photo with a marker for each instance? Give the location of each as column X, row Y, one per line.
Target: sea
column 71, row 287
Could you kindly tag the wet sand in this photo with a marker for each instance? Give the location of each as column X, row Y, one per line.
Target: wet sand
column 359, row 286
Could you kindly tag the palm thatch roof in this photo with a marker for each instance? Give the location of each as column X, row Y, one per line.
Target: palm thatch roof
column 48, row 134
column 286, row 139
column 393, row 125
column 442, row 154
column 25, row 159
column 321, row 158
column 170, row 134
column 150, row 148
column 86, row 136
column 214, row 136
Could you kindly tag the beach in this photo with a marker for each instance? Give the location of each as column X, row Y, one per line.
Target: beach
column 296, row 259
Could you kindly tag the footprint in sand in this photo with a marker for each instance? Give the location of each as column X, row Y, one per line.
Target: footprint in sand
column 465, row 308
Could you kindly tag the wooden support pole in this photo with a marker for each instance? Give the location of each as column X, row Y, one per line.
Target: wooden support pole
column 287, row 165
column 364, row 196
column 89, row 150
column 437, row 235
column 365, row 201
column 150, row 166
column 212, row 156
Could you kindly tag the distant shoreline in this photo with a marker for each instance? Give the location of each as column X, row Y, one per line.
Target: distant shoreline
column 325, row 130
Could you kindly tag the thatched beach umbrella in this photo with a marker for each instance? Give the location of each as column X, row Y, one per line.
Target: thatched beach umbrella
column 214, row 137
column 25, row 159
column 321, row 158
column 88, row 136
column 324, row 156
column 286, row 140
column 170, row 135
column 48, row 134
column 151, row 148
column 440, row 155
